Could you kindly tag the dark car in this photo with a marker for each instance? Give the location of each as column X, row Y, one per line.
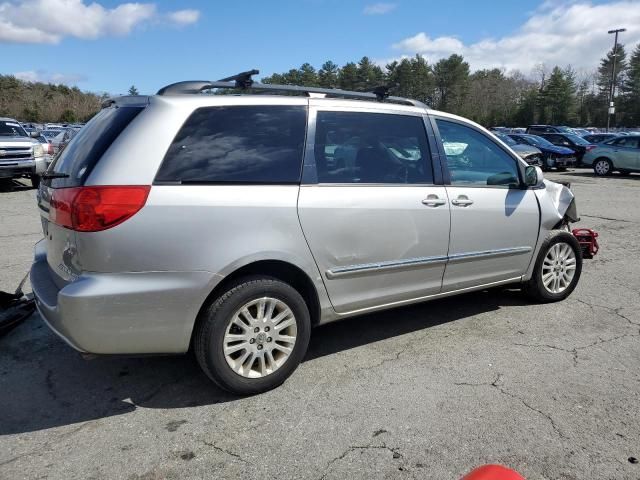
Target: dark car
column 554, row 156
column 600, row 137
column 538, row 129
column 572, row 141
column 530, row 154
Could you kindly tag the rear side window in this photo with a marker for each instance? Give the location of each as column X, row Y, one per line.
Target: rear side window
column 355, row 147
column 83, row 152
column 238, row 144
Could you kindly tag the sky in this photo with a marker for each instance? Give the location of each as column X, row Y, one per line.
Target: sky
column 109, row 45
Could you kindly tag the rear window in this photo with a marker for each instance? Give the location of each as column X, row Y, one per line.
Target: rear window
column 82, row 153
column 238, row 144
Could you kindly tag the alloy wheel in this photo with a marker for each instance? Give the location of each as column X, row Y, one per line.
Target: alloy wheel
column 602, row 167
column 558, row 268
column 260, row 337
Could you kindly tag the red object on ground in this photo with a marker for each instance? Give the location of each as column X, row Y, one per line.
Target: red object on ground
column 493, row 472
column 587, row 239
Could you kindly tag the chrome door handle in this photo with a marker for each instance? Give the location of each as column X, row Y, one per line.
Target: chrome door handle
column 433, row 201
column 462, row 201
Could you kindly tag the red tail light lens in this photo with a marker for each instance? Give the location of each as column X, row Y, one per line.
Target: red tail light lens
column 92, row 209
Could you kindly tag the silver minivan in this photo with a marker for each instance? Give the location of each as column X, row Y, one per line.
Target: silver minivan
column 233, row 224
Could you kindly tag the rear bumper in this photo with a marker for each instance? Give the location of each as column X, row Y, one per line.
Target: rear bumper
column 121, row 313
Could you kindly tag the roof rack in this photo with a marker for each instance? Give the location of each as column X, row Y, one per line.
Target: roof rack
column 243, row 81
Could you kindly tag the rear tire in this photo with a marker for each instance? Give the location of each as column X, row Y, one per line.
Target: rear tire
column 252, row 337
column 602, row 167
column 557, row 269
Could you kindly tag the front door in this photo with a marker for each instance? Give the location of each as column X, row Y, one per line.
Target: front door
column 626, row 153
column 494, row 223
column 377, row 225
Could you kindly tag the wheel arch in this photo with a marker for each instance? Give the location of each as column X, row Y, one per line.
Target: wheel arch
column 280, row 269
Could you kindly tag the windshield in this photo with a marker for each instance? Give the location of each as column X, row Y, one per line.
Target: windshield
column 11, row 129
column 506, row 139
column 539, row 141
column 565, row 129
column 576, row 139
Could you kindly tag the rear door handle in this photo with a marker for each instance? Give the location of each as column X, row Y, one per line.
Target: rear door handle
column 433, row 201
column 462, row 201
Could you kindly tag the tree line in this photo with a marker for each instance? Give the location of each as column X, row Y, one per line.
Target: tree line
column 491, row 97
column 45, row 102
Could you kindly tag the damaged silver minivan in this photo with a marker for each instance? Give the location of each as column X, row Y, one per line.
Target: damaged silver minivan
column 233, row 224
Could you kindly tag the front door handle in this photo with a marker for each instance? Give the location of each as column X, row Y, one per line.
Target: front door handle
column 433, row 201
column 462, row 201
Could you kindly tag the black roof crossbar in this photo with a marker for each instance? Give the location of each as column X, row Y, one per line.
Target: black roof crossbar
column 243, row 81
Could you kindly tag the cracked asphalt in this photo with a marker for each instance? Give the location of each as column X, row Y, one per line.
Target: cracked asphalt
column 426, row 392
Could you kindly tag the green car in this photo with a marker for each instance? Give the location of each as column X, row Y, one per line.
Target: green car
column 621, row 154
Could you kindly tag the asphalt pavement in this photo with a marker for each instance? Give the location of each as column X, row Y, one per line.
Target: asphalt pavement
column 425, row 392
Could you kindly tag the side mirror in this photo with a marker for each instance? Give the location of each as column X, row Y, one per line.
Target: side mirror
column 34, row 134
column 533, row 176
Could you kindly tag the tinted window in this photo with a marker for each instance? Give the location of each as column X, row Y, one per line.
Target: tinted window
column 507, row 139
column 238, row 144
column 538, row 141
column 474, row 159
column 354, row 147
column 629, row 142
column 576, row 139
column 11, row 129
column 87, row 147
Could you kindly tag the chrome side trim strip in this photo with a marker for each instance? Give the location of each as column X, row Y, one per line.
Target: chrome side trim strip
column 352, row 270
column 500, row 252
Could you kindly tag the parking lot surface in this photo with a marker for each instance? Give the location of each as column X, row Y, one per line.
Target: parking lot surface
column 425, row 392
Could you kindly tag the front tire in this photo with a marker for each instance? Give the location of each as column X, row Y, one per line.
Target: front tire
column 557, row 269
column 251, row 338
column 602, row 167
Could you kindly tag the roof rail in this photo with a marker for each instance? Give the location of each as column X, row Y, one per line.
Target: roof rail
column 243, row 81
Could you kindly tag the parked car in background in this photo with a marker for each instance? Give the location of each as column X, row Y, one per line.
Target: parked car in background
column 538, row 129
column 62, row 138
column 20, row 154
column 570, row 140
column 621, row 154
column 49, row 134
column 47, row 148
column 600, row 137
column 530, row 154
column 553, row 156
column 224, row 237
column 581, row 131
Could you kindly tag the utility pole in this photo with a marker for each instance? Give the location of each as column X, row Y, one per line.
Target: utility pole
column 612, row 90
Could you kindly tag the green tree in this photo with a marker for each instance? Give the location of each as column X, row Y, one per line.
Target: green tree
column 68, row 116
column 369, row 75
column 133, row 90
column 632, row 102
column 308, row 76
column 451, row 77
column 328, row 75
column 348, row 76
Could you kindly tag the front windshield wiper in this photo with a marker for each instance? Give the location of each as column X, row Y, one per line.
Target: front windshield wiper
column 47, row 176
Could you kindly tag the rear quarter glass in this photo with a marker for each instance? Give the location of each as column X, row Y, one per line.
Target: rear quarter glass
column 84, row 151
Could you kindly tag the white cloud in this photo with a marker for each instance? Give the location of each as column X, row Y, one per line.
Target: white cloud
column 49, row 21
column 183, row 17
column 379, row 8
column 557, row 33
column 46, row 77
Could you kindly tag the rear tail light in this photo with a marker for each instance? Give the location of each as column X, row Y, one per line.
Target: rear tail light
column 92, row 209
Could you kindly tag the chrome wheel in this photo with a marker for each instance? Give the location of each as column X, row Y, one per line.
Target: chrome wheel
column 602, row 167
column 260, row 337
column 558, row 268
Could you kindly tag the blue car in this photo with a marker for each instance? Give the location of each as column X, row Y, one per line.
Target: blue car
column 554, row 156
